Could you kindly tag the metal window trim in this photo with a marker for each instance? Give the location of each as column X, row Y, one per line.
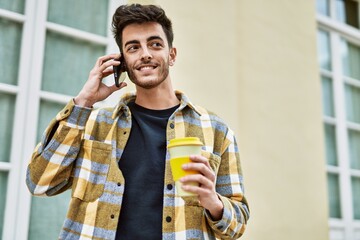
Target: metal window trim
column 19, row 203
column 13, row 16
column 14, row 201
column 29, row 95
column 338, row 31
column 8, row 88
column 77, row 34
column 350, row 33
column 5, row 166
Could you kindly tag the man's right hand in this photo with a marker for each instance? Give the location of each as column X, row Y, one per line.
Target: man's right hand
column 94, row 89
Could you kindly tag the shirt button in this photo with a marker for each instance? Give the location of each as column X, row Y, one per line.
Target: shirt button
column 119, row 184
column 124, row 132
column 169, row 186
column 172, row 125
column 168, row 219
column 66, row 111
column 112, row 216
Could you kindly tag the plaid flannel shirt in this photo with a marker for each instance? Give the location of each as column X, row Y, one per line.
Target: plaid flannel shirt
column 81, row 148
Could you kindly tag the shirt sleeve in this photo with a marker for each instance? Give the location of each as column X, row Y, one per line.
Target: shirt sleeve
column 50, row 167
column 230, row 189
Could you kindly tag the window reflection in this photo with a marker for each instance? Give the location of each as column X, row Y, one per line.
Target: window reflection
column 322, row 7
column 324, row 53
column 347, row 11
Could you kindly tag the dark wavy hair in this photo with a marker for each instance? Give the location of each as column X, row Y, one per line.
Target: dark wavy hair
column 137, row 13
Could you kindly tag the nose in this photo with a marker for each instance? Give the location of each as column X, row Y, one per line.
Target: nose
column 146, row 55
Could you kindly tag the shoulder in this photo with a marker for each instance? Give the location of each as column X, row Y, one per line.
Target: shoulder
column 220, row 136
column 216, row 121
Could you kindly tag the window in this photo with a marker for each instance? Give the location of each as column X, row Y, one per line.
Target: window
column 322, row 6
column 3, row 184
column 339, row 61
column 39, row 76
column 11, row 27
column 347, row 11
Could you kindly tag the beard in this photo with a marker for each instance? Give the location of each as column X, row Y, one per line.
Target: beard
column 151, row 81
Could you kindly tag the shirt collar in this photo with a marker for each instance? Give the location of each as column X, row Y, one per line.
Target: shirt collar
column 130, row 97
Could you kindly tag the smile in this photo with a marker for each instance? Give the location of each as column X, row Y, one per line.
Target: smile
column 146, row 67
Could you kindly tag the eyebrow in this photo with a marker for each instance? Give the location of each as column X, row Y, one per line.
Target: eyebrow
column 155, row 37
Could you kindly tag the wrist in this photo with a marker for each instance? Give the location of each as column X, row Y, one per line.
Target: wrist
column 216, row 210
column 83, row 102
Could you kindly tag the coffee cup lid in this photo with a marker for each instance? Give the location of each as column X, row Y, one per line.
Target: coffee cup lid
column 187, row 141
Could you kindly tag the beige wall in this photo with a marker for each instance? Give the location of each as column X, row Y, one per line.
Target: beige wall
column 254, row 63
column 280, row 119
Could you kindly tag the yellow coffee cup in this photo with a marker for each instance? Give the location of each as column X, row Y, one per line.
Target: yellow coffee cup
column 180, row 149
column 176, row 167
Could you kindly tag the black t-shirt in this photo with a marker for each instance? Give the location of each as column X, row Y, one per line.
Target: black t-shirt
column 143, row 166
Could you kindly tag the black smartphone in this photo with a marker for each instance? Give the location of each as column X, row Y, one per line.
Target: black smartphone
column 119, row 72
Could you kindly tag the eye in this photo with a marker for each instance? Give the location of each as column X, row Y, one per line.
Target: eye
column 132, row 48
column 156, row 44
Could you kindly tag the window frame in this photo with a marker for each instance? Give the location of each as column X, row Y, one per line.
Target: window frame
column 347, row 227
column 16, row 154
column 28, row 95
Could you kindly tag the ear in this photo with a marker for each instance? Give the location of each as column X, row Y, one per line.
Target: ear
column 172, row 56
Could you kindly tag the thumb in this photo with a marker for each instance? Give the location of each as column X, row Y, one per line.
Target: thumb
column 114, row 88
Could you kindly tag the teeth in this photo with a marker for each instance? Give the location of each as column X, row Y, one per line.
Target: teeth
column 147, row 67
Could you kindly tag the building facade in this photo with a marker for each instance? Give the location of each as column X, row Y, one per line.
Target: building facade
column 285, row 75
column 339, row 61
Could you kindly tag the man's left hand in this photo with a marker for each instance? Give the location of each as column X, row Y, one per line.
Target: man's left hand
column 206, row 178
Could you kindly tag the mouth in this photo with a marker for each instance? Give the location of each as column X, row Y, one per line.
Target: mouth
column 146, row 67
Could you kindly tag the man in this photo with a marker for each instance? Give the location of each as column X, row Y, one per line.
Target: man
column 115, row 159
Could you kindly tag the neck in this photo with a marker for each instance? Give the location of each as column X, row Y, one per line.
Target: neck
column 158, row 98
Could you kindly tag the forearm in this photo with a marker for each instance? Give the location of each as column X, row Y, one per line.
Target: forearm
column 232, row 223
column 230, row 190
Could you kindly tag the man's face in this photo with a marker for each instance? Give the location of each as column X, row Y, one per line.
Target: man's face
column 147, row 54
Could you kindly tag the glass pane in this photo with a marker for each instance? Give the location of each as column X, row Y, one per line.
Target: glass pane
column 352, row 95
column 48, row 111
column 324, row 53
column 334, row 196
column 330, row 145
column 7, row 107
column 49, row 212
column 355, row 186
column 354, row 149
column 327, row 96
column 347, row 11
column 10, row 41
column 68, row 63
column 340, row 10
column 351, row 60
column 322, row 7
column 47, row 216
column 87, row 15
column 3, row 186
column 13, row 5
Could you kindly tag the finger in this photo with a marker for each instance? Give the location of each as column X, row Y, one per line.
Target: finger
column 114, row 88
column 106, row 58
column 200, row 159
column 108, row 71
column 108, row 64
column 201, row 167
column 117, row 61
column 118, row 56
column 200, row 191
column 104, row 62
column 203, row 181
